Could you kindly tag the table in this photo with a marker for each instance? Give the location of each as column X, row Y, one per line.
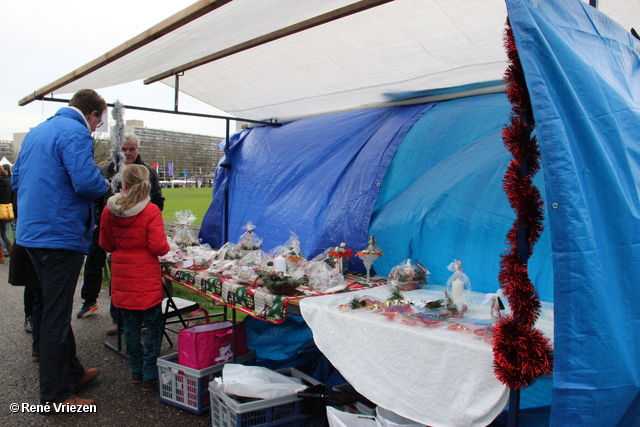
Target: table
column 256, row 302
column 433, row 375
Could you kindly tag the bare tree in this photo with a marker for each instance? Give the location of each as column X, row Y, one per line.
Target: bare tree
column 101, row 147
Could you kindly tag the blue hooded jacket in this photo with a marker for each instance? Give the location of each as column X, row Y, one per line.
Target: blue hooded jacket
column 57, row 179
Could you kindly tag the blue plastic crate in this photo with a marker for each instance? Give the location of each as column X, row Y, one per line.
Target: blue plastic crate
column 188, row 388
column 285, row 411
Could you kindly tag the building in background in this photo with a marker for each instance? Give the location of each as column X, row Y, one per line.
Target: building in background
column 6, row 150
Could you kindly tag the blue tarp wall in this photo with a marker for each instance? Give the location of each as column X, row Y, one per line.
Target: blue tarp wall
column 583, row 75
column 427, row 182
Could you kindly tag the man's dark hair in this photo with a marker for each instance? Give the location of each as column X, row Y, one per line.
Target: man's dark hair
column 88, row 100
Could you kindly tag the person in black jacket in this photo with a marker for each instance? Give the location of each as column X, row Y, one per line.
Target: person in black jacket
column 97, row 257
column 6, row 197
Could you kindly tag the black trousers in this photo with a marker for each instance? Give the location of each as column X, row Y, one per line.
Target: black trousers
column 93, row 266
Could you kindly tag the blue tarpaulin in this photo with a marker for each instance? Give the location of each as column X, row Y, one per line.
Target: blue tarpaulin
column 318, row 178
column 583, row 75
column 442, row 197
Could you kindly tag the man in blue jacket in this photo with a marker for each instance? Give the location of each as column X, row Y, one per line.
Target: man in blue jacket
column 56, row 180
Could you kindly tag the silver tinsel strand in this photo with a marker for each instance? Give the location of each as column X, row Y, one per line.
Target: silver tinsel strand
column 117, row 137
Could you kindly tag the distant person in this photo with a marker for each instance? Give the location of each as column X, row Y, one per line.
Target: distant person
column 6, row 197
column 56, row 180
column 7, row 167
column 132, row 229
column 22, row 273
column 96, row 259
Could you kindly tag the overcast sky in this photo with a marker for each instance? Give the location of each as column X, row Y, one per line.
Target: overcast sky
column 42, row 40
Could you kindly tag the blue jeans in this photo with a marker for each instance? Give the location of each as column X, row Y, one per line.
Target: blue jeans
column 143, row 359
column 58, row 271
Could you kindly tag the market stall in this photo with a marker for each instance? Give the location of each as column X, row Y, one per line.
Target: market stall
column 445, row 199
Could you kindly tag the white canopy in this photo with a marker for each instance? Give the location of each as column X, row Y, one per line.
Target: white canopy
column 270, row 61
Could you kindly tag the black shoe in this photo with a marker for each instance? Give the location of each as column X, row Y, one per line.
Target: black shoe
column 136, row 377
column 149, row 384
column 87, row 310
column 87, row 378
column 28, row 325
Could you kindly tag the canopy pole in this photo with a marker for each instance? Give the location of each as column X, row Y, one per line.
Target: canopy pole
column 184, row 17
column 176, row 91
column 227, row 164
column 593, row 3
column 336, row 14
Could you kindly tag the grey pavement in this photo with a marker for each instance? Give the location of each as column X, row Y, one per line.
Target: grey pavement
column 119, row 403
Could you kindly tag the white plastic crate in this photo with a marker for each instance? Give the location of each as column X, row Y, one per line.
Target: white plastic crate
column 285, row 411
column 188, row 388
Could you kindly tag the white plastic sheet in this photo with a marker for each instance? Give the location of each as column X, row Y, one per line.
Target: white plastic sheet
column 258, row 382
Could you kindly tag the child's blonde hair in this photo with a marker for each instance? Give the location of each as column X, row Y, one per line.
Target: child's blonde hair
column 136, row 177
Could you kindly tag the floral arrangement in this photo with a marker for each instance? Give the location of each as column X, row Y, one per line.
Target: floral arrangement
column 340, row 252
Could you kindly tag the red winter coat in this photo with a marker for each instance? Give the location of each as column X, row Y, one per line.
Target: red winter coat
column 136, row 239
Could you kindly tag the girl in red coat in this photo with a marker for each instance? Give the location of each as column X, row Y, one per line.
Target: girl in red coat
column 132, row 229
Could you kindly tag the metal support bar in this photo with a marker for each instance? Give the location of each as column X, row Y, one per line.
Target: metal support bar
column 181, row 113
column 593, row 3
column 523, row 252
column 513, row 418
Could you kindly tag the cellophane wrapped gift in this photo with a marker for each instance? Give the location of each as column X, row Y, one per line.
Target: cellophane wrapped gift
column 223, row 268
column 255, row 259
column 203, row 256
column 249, row 241
column 246, row 275
column 409, row 275
column 229, row 251
column 184, row 235
column 291, row 251
column 323, row 277
column 458, row 297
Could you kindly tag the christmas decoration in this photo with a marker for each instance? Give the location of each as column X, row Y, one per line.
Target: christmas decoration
column 458, row 289
column 521, row 353
column 409, row 275
column 369, row 255
column 340, row 253
column 117, row 137
column 278, row 283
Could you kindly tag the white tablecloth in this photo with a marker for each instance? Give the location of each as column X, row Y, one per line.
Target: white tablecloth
column 434, row 376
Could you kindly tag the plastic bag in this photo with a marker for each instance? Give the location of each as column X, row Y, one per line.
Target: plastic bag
column 184, row 235
column 409, row 275
column 202, row 256
column 258, row 382
column 255, row 259
column 458, row 296
column 324, row 278
column 223, row 268
column 229, row 251
column 249, row 241
column 290, row 251
column 338, row 418
column 386, row 418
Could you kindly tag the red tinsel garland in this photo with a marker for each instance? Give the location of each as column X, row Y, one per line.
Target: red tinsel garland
column 521, row 353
